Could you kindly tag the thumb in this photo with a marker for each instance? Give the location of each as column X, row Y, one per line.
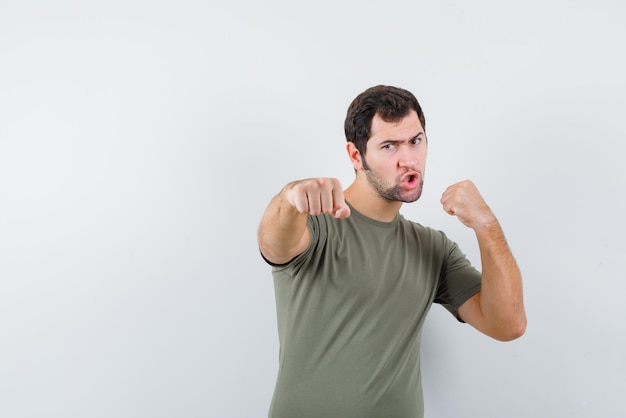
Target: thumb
column 342, row 212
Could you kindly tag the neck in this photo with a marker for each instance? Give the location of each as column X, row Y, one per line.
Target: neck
column 367, row 201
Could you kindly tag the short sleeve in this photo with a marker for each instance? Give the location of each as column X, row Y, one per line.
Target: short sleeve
column 318, row 232
column 459, row 280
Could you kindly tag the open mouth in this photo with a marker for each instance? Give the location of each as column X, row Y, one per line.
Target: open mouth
column 410, row 179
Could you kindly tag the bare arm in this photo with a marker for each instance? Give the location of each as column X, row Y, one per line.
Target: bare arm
column 283, row 234
column 498, row 309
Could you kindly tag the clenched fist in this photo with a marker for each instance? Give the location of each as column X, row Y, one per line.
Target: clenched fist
column 465, row 202
column 316, row 196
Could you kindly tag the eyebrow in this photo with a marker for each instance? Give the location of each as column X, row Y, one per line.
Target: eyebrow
column 395, row 141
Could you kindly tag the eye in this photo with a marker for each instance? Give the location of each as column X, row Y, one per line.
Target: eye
column 387, row 146
column 416, row 141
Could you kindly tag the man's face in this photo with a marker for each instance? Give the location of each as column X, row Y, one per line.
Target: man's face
column 395, row 158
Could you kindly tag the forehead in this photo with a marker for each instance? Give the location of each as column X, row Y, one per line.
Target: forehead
column 404, row 129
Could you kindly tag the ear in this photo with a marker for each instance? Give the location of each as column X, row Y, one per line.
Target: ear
column 355, row 156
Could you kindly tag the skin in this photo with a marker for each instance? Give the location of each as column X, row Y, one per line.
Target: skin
column 390, row 175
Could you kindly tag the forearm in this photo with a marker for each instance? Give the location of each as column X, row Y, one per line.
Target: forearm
column 282, row 232
column 501, row 295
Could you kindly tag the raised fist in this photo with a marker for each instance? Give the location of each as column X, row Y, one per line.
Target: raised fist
column 465, row 202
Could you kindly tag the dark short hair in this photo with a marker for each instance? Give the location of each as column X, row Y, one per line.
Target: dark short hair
column 390, row 103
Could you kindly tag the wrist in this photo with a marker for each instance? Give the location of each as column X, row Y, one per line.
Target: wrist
column 486, row 224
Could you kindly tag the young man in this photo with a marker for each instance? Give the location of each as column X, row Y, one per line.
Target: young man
column 354, row 279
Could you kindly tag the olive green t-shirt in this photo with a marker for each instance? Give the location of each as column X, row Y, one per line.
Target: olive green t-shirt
column 350, row 312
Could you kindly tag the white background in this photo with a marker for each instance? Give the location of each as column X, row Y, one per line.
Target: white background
column 141, row 141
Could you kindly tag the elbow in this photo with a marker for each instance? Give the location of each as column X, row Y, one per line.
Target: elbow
column 513, row 331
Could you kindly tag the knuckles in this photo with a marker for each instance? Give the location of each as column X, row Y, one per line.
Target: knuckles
column 308, row 195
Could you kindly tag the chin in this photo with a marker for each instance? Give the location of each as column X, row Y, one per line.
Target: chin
column 413, row 196
column 412, row 199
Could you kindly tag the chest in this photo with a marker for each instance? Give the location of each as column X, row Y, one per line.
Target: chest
column 378, row 266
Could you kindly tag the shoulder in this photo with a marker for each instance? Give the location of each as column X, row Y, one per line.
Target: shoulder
column 423, row 231
column 320, row 228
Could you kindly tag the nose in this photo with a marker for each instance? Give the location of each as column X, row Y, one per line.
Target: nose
column 407, row 157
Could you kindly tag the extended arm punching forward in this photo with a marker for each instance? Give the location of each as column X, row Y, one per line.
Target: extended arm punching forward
column 283, row 233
